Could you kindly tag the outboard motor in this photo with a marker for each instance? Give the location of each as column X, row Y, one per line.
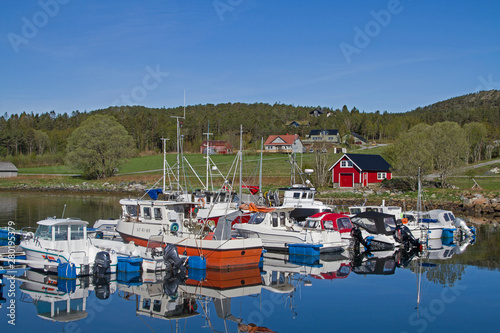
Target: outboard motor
column 357, row 237
column 404, row 236
column 171, row 257
column 102, row 263
column 460, row 224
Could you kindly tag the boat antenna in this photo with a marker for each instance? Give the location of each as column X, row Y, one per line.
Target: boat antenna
column 64, row 209
column 164, row 160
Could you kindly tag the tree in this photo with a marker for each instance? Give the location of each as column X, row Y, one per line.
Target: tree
column 475, row 134
column 412, row 151
column 99, row 146
column 449, row 147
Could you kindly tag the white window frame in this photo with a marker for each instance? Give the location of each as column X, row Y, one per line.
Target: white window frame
column 381, row 175
column 346, row 164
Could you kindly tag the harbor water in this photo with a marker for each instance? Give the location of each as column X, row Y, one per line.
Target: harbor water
column 452, row 289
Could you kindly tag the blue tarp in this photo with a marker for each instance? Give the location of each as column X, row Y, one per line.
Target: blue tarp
column 153, row 194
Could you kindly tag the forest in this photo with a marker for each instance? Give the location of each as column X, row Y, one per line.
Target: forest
column 42, row 139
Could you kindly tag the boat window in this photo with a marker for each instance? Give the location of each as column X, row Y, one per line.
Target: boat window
column 132, row 210
column 296, row 195
column 147, row 213
column 344, row 223
column 282, row 219
column 446, row 218
column 452, row 217
column 389, row 266
column 410, row 217
column 366, row 223
column 44, row 232
column 257, row 218
column 146, row 303
column 157, row 305
column 61, row 232
column 311, row 224
column 328, row 225
column 77, row 232
column 157, row 213
column 390, row 223
column 304, row 195
column 355, row 210
column 274, row 218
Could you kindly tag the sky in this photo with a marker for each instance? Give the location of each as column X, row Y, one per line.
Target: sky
column 387, row 55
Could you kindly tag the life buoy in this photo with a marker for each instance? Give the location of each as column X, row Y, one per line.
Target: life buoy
column 201, row 202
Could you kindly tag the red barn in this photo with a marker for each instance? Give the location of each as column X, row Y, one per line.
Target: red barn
column 354, row 170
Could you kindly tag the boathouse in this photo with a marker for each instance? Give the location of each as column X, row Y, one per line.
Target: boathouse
column 7, row 169
column 354, row 170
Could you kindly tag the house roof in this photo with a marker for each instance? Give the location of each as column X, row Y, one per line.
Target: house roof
column 317, row 110
column 328, row 132
column 287, row 139
column 366, row 162
column 359, row 137
column 7, row 166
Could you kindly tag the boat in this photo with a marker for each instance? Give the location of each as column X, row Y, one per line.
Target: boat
column 392, row 210
column 380, row 232
column 64, row 241
column 172, row 222
column 279, row 231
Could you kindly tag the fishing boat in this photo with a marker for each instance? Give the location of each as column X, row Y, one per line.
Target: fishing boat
column 64, row 241
column 278, row 231
column 171, row 222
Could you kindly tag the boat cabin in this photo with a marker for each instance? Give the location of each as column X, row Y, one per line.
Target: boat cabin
column 279, row 218
column 61, row 230
column 392, row 210
column 298, row 195
column 329, row 221
column 375, row 223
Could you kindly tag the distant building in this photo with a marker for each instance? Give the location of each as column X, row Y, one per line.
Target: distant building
column 330, row 136
column 316, row 112
column 289, row 143
column 356, row 139
column 354, row 170
column 216, row 147
column 7, row 169
column 297, row 123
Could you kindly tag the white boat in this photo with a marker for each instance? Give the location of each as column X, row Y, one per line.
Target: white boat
column 392, row 210
column 65, row 241
column 277, row 231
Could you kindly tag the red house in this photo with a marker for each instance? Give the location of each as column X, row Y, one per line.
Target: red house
column 354, row 170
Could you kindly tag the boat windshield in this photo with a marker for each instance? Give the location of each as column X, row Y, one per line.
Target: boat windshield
column 61, row 232
column 328, row 225
column 77, row 232
column 132, row 210
column 44, row 232
column 390, row 223
column 355, row 210
column 366, row 223
column 257, row 218
column 344, row 223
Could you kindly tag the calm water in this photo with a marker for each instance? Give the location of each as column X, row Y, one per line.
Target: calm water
column 378, row 294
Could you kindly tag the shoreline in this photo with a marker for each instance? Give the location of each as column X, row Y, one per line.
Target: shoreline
column 474, row 207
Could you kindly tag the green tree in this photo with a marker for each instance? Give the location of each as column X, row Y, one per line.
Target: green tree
column 476, row 136
column 99, row 146
column 412, row 151
column 449, row 147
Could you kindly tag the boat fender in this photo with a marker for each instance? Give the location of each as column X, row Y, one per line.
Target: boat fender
column 202, row 202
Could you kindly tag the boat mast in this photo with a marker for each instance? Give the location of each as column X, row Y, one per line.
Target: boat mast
column 178, row 144
column 260, row 169
column 419, row 202
column 164, row 161
column 208, row 158
column 241, row 161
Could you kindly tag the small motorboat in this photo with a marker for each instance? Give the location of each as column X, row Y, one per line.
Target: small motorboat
column 65, row 241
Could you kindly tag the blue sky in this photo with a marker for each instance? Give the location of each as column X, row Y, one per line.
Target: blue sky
column 67, row 55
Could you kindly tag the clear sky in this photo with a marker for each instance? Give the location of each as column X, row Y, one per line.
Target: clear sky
column 67, row 55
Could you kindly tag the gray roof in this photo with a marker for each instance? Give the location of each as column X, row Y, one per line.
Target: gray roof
column 7, row 166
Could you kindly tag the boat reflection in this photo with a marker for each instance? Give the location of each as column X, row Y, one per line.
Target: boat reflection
column 61, row 300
